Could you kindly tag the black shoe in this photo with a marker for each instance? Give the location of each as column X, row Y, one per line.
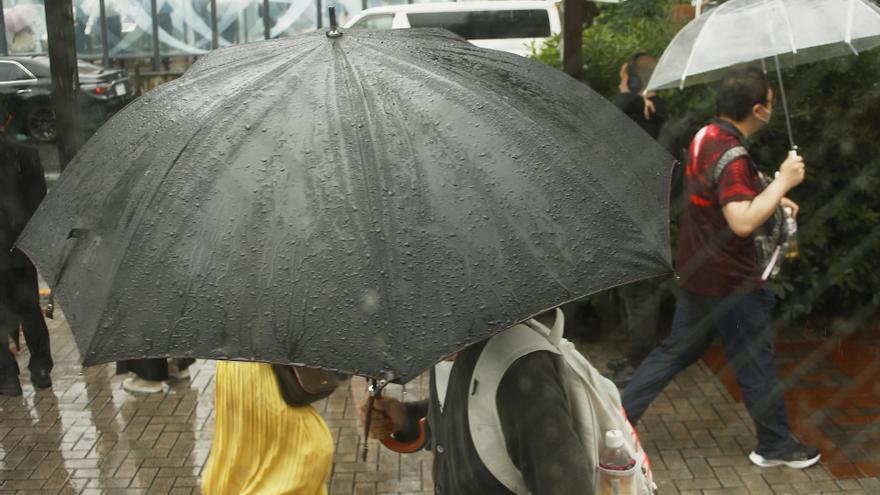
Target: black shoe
column 617, row 364
column 10, row 386
column 41, row 379
column 798, row 457
column 622, row 376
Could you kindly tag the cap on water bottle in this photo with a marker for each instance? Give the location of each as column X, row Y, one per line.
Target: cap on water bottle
column 613, row 439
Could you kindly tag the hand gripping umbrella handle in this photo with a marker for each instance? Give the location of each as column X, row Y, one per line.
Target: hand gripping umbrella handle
column 390, row 442
column 407, row 447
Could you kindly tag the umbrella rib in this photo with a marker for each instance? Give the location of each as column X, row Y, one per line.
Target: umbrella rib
column 709, row 17
column 847, row 37
column 787, row 23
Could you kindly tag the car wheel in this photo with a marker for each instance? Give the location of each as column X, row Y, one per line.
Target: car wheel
column 40, row 122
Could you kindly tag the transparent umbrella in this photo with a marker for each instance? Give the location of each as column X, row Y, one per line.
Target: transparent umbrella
column 778, row 33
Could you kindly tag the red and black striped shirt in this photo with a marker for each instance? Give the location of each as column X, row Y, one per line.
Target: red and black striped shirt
column 711, row 259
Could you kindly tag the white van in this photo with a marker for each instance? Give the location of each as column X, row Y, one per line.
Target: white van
column 510, row 26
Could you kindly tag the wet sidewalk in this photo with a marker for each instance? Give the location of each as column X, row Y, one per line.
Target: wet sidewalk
column 88, row 436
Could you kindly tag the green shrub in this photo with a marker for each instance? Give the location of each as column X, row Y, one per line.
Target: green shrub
column 835, row 111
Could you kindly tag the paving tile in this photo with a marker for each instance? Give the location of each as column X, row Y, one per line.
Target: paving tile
column 87, row 435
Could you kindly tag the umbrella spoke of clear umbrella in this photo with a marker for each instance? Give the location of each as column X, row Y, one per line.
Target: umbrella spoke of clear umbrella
column 788, row 32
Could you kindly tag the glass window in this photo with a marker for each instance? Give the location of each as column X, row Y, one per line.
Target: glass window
column 378, row 21
column 129, row 28
column 87, row 28
column 290, row 17
column 184, row 26
column 25, row 26
column 379, row 3
column 240, row 21
column 493, row 24
column 12, row 72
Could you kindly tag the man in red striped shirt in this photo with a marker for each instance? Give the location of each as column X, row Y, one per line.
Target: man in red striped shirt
column 722, row 289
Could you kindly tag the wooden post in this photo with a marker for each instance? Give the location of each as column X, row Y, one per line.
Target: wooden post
column 571, row 40
column 577, row 15
column 65, row 78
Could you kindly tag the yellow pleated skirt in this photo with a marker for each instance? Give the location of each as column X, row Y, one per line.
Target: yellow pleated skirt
column 261, row 445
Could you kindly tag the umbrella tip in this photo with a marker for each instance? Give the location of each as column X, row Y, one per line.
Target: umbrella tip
column 334, row 31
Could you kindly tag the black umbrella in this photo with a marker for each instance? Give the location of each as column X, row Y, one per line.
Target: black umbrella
column 368, row 203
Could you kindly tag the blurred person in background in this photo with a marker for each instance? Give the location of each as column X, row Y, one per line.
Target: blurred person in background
column 22, row 188
column 640, row 301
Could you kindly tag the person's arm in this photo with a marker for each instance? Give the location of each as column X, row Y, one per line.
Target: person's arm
column 33, row 178
column 539, row 430
column 629, row 103
column 390, row 416
column 744, row 217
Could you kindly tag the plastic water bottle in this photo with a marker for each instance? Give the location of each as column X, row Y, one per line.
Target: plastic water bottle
column 617, row 468
column 791, row 242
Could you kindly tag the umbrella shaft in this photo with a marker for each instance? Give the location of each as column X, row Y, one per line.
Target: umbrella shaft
column 784, row 103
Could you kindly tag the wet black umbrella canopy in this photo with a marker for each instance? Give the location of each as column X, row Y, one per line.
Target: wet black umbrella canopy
column 369, row 203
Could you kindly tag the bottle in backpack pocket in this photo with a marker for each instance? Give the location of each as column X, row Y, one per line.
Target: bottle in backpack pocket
column 617, row 468
column 791, row 243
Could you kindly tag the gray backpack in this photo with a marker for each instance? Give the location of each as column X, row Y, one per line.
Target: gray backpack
column 770, row 237
column 594, row 401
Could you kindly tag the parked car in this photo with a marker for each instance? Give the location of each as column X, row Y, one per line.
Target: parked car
column 26, row 83
column 510, row 26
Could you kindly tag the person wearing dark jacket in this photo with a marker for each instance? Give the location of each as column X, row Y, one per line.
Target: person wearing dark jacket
column 22, row 187
column 640, row 300
column 535, row 418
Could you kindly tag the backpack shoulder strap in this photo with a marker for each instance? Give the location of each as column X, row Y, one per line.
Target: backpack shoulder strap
column 728, row 157
column 500, row 353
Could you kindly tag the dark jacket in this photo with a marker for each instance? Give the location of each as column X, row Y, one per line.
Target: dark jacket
column 633, row 105
column 535, row 419
column 22, row 187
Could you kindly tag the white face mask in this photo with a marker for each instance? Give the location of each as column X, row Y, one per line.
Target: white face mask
column 766, row 119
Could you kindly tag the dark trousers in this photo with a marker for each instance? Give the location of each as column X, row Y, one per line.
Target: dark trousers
column 20, row 303
column 641, row 316
column 743, row 323
column 151, row 369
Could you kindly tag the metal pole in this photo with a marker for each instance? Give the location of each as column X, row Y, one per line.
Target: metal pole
column 320, row 14
column 4, row 50
column 154, row 12
column 105, row 43
column 364, row 4
column 267, row 21
column 784, row 103
column 215, row 35
column 65, row 79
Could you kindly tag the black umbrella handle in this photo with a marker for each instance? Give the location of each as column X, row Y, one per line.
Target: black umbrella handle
column 375, row 390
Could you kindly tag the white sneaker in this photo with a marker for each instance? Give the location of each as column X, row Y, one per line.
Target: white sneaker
column 799, row 457
column 136, row 384
column 177, row 373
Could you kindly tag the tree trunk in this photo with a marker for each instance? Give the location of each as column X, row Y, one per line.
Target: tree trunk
column 65, row 79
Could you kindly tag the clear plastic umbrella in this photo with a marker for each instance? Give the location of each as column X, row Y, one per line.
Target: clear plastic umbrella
column 778, row 33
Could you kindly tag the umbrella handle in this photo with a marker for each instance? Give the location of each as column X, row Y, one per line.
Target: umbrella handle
column 407, row 447
column 375, row 390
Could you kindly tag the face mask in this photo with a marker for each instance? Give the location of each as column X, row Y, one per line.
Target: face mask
column 765, row 120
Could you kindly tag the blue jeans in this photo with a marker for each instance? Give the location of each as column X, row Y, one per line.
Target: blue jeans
column 743, row 323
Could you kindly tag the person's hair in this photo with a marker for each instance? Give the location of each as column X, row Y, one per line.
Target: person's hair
column 643, row 65
column 740, row 90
